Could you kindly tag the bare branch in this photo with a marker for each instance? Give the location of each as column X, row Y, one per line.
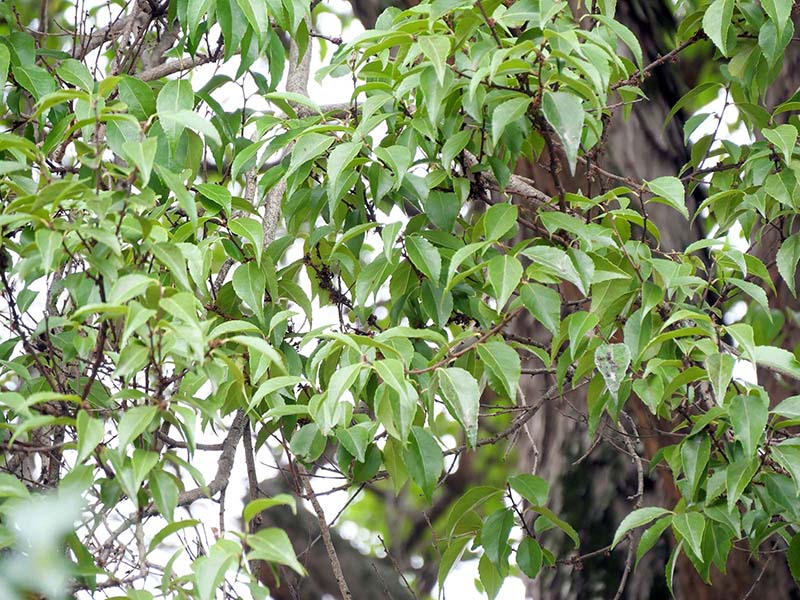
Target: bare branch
column 326, row 533
column 117, row 28
column 176, row 66
column 297, row 83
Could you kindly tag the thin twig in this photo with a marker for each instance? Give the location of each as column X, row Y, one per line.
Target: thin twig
column 638, row 77
column 451, row 356
column 758, row 578
column 639, row 497
column 397, row 568
column 326, row 533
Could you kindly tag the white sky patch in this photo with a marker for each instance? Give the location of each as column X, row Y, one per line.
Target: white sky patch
column 722, row 120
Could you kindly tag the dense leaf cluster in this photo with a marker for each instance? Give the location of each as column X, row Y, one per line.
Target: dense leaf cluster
column 337, row 282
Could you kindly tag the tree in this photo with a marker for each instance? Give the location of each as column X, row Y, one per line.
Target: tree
column 374, row 292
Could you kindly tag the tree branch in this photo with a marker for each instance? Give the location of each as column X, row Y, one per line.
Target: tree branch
column 296, row 83
column 175, row 66
column 325, row 532
column 114, row 30
column 224, row 467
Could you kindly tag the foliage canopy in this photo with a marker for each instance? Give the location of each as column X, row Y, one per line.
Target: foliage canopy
column 337, row 283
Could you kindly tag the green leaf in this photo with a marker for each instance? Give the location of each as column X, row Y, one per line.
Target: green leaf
column 737, row 477
column 471, row 500
column 612, row 361
column 787, row 259
column 639, row 517
column 437, row 49
column 142, row 155
column 749, row 419
column 690, row 526
column 272, row 385
column 272, row 545
column 391, row 371
column 784, row 138
column 249, row 282
column 338, row 161
column 165, row 493
column 442, row 209
column 5, row 62
column 490, row 576
column 671, row 191
column 357, row 438
column 139, row 97
column 168, row 530
column 565, row 114
column 173, row 123
column 424, row 460
column 544, row 304
column 777, row 359
column 176, row 95
column 176, row 184
column 529, row 557
column 209, row 570
column 326, row 413
column 453, row 146
column 35, row 79
column 308, row 443
column 695, row 452
column 793, row 557
column 720, row 372
column 450, row 557
column 574, row 266
column 531, row 487
column 461, row 396
column 308, row 147
column 495, row 533
column 716, row 22
column 394, row 463
column 181, row 306
column 560, row 523
column 651, row 536
column 133, row 423
column 259, row 505
column 75, row 72
column 669, row 570
column 195, row 11
column 503, row 365
column 424, row 256
column 787, row 455
column 779, row 12
column 233, row 24
column 505, row 273
column 499, row 221
column 252, row 231
column 742, row 333
column 218, row 194
column 49, row 243
column 263, row 348
column 625, row 34
column 398, row 158
column 789, row 408
column 255, row 11
column 506, row 113
column 11, row 487
column 90, row 433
